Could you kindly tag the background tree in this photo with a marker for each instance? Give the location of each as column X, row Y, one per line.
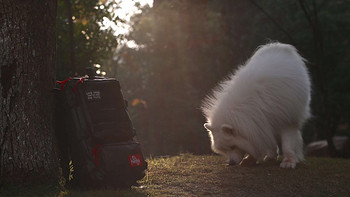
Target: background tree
column 181, row 47
column 84, row 35
column 27, row 70
column 330, row 71
column 319, row 30
column 186, row 47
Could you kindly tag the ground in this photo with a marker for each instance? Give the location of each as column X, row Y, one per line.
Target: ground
column 188, row 175
column 209, row 175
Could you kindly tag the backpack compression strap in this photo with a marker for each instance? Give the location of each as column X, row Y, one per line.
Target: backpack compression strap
column 62, row 83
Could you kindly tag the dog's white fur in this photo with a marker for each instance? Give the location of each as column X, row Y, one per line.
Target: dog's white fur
column 261, row 107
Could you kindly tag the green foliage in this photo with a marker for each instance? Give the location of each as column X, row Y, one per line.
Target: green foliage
column 71, row 171
column 92, row 44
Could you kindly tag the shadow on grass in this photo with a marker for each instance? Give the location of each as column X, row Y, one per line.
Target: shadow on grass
column 105, row 193
column 49, row 189
column 55, row 190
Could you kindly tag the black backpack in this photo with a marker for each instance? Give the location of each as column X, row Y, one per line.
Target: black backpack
column 95, row 135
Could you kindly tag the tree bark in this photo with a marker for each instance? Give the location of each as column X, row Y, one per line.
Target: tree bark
column 72, row 65
column 27, row 70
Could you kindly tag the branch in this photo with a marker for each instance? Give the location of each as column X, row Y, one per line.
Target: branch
column 306, row 11
column 274, row 22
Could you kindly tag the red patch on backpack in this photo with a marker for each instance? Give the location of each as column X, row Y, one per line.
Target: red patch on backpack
column 135, row 160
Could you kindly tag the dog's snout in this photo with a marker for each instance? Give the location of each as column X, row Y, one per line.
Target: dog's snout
column 232, row 163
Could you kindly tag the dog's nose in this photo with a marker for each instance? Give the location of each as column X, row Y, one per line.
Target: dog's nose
column 232, row 163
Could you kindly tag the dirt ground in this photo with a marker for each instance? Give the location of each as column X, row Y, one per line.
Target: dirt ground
column 209, row 175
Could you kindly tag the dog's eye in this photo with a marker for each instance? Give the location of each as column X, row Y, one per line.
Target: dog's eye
column 233, row 147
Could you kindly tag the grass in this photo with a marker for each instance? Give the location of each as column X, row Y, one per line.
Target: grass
column 208, row 175
column 50, row 189
column 188, row 175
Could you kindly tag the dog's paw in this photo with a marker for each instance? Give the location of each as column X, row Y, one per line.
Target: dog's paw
column 288, row 162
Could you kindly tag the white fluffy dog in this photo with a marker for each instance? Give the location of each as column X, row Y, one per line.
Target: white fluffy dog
column 261, row 108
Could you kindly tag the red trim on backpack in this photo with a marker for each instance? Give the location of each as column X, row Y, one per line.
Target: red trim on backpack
column 81, row 80
column 62, row 83
column 95, row 151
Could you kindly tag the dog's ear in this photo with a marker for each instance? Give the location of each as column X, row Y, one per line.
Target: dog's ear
column 207, row 126
column 227, row 129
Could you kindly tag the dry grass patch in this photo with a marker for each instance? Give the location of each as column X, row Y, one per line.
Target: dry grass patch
column 208, row 175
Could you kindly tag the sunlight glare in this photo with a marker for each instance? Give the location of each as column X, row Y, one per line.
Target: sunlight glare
column 125, row 10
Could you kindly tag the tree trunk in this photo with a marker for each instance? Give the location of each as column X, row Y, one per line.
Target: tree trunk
column 27, row 70
column 72, row 65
